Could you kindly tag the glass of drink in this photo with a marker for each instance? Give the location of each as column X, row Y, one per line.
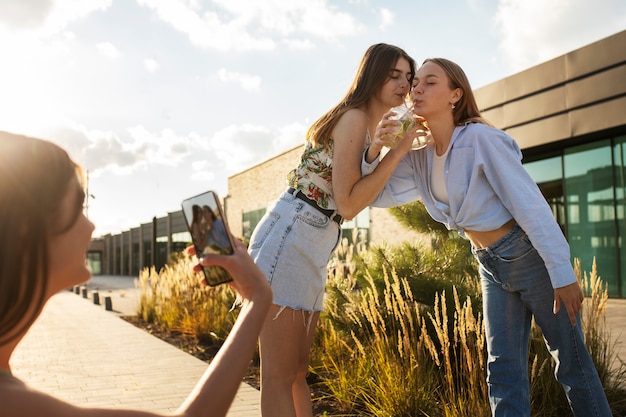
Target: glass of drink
column 407, row 122
column 421, row 141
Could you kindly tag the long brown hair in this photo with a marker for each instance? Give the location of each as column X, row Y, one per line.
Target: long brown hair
column 34, row 178
column 372, row 73
column 465, row 110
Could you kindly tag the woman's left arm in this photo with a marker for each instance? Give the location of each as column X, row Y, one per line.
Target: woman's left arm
column 522, row 197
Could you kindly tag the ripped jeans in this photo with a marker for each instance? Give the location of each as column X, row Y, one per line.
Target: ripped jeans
column 516, row 287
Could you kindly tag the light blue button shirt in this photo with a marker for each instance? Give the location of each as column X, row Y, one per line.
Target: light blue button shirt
column 487, row 186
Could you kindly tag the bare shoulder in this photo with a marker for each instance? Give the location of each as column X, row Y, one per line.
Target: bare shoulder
column 351, row 125
column 354, row 115
column 18, row 400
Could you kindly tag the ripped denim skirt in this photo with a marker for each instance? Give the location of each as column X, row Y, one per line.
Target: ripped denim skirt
column 292, row 245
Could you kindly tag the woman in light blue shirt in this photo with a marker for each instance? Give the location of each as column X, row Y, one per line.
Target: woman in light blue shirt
column 470, row 178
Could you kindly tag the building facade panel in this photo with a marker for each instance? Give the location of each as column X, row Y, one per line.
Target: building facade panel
column 490, row 96
column 495, row 115
column 597, row 87
column 541, row 132
column 535, row 107
column 533, row 80
column 601, row 116
column 385, row 229
column 597, row 56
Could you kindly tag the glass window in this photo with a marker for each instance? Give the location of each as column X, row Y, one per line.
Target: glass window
column 619, row 152
column 182, row 237
column 548, row 174
column 249, row 222
column 134, row 269
column 589, row 191
column 94, row 262
column 357, row 229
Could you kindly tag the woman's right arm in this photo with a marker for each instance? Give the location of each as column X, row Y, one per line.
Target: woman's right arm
column 354, row 191
column 216, row 389
column 214, row 393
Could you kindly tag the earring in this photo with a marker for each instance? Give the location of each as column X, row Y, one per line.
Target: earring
column 453, row 107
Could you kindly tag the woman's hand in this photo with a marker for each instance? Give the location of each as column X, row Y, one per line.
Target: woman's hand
column 248, row 280
column 385, row 136
column 385, row 132
column 571, row 297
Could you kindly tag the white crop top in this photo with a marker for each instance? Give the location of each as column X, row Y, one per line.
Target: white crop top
column 438, row 178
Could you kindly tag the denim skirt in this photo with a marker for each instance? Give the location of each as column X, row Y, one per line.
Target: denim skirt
column 292, row 245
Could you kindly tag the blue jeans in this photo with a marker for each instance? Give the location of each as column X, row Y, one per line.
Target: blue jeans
column 516, row 287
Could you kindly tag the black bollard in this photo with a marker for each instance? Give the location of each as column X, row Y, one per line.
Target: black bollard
column 96, row 298
column 108, row 304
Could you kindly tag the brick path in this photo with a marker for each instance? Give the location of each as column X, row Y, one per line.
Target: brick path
column 83, row 354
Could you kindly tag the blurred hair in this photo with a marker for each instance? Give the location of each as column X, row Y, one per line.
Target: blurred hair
column 466, row 110
column 210, row 211
column 196, row 213
column 34, row 178
column 374, row 70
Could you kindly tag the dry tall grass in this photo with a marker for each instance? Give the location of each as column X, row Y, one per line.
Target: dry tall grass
column 383, row 354
column 175, row 298
column 379, row 352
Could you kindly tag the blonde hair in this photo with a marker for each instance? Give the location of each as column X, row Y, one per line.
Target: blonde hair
column 465, row 110
column 35, row 176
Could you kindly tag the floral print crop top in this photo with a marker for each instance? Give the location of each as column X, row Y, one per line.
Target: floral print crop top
column 314, row 175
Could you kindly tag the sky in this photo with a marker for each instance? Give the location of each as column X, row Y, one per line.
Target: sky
column 160, row 100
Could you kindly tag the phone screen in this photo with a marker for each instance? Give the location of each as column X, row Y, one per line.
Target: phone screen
column 209, row 232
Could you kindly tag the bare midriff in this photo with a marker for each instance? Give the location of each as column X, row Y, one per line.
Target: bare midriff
column 488, row 238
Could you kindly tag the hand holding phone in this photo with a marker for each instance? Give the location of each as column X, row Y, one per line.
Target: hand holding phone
column 209, row 233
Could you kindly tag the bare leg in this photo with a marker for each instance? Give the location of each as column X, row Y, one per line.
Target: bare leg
column 282, row 341
column 301, row 391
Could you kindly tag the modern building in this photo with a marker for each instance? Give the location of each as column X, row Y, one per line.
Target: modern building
column 568, row 116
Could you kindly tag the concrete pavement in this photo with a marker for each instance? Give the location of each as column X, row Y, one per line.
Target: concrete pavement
column 84, row 354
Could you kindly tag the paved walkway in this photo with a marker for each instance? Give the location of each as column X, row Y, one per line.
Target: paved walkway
column 84, row 354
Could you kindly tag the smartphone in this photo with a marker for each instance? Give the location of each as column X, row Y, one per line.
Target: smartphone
column 209, row 233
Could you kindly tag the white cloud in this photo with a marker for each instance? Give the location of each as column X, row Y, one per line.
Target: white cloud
column 165, row 148
column 533, row 31
column 105, row 151
column 246, row 81
column 108, row 50
column 24, row 14
column 317, row 18
column 100, row 151
column 202, row 171
column 47, row 17
column 227, row 151
column 151, row 65
column 242, row 145
column 289, row 136
column 299, row 44
column 206, row 28
column 254, row 25
column 387, row 18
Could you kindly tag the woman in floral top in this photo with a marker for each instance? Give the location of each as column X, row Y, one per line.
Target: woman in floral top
column 295, row 239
